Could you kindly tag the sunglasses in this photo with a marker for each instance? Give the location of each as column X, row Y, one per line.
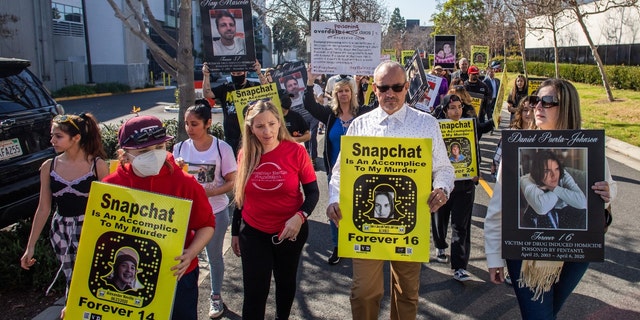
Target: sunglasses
column 144, row 136
column 547, row 101
column 459, row 87
column 64, row 119
column 395, row 87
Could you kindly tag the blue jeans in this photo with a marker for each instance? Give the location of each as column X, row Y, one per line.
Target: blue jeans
column 550, row 303
column 185, row 302
column 214, row 251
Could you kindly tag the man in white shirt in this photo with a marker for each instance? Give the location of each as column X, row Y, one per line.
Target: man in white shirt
column 394, row 118
column 228, row 44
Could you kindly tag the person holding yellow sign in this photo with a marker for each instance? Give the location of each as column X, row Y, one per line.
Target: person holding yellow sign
column 394, row 118
column 146, row 165
column 64, row 186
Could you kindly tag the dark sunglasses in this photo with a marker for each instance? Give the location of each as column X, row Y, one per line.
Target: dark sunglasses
column 547, row 101
column 66, row 118
column 395, row 87
column 459, row 87
column 144, row 136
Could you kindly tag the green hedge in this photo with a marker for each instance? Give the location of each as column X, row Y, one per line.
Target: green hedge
column 620, row 77
column 83, row 89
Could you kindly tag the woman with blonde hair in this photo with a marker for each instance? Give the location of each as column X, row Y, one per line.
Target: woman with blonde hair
column 337, row 116
column 269, row 224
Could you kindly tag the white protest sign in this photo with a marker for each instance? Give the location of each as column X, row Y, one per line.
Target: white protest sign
column 345, row 47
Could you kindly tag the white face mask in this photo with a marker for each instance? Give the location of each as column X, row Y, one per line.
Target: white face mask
column 149, row 163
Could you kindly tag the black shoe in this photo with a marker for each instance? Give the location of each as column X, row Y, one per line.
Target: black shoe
column 334, row 259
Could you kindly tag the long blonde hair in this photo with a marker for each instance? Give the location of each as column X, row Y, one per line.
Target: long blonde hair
column 249, row 157
column 335, row 104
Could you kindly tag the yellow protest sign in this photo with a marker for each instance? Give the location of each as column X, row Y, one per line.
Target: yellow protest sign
column 497, row 110
column 476, row 101
column 243, row 97
column 406, row 56
column 391, row 53
column 384, row 187
column 480, row 56
column 460, row 139
column 432, row 58
column 533, row 84
column 129, row 241
column 369, row 96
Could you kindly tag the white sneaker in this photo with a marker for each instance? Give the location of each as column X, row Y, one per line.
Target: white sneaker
column 441, row 256
column 461, row 275
column 216, row 308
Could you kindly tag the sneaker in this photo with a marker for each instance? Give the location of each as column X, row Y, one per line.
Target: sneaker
column 334, row 259
column 216, row 308
column 461, row 275
column 442, row 256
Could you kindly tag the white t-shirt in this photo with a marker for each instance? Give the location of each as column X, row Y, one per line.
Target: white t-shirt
column 238, row 48
column 208, row 167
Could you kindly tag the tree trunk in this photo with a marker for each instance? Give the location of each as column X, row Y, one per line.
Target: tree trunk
column 556, row 67
column 594, row 51
column 185, row 66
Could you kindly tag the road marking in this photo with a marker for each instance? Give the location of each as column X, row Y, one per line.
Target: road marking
column 486, row 187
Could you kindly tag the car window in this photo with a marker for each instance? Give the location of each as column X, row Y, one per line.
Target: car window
column 24, row 89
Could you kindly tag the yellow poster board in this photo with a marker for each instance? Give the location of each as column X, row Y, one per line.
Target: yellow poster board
column 126, row 227
column 391, row 53
column 462, row 147
column 480, row 56
column 384, row 187
column 432, row 58
column 497, row 109
column 534, row 83
column 406, row 56
column 243, row 97
column 476, row 101
column 369, row 96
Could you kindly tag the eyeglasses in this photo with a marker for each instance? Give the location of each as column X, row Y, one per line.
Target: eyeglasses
column 459, row 87
column 66, row 118
column 144, row 136
column 395, row 87
column 347, row 78
column 547, row 101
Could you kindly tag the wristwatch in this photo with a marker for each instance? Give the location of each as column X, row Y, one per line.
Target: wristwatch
column 446, row 193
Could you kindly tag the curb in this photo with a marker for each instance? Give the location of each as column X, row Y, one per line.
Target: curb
column 623, row 148
column 97, row 95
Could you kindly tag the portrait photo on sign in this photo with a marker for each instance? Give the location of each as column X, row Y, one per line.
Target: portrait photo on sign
column 227, row 32
column 384, row 200
column 416, row 78
column 553, row 188
column 125, row 267
column 445, row 51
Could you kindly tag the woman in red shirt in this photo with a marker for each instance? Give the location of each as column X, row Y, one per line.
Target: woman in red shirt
column 269, row 225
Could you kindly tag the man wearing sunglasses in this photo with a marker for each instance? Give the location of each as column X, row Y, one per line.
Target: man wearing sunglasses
column 393, row 118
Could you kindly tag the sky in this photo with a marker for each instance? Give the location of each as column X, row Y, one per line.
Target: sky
column 414, row 9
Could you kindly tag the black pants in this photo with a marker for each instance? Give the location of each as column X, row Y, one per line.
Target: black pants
column 261, row 258
column 459, row 208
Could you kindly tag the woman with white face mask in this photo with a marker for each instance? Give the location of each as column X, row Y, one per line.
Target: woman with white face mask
column 146, row 165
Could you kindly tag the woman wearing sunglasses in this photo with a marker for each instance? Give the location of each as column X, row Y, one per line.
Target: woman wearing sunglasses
column 64, row 186
column 146, row 165
column 337, row 117
column 269, row 225
column 557, row 107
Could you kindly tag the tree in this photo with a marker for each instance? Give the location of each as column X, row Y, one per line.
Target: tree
column 179, row 67
column 285, row 35
column 581, row 13
column 463, row 18
column 397, row 22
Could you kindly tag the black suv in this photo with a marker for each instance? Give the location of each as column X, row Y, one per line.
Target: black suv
column 26, row 110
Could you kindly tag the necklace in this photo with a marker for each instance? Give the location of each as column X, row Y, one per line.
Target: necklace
column 345, row 125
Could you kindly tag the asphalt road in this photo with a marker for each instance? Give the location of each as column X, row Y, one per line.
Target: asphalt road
column 609, row 290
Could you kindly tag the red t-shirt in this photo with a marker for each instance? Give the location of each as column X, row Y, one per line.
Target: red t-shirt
column 273, row 194
column 178, row 184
